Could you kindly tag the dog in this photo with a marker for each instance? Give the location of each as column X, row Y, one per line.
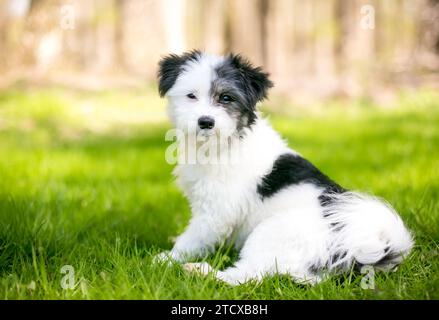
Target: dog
column 283, row 214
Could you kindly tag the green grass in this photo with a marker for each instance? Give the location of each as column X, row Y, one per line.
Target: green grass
column 83, row 182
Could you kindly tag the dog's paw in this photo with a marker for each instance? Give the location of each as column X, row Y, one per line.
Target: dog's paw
column 202, row 268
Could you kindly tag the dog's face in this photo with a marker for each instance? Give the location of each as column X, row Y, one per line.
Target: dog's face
column 211, row 95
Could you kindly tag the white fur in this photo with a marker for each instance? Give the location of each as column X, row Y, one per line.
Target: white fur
column 286, row 233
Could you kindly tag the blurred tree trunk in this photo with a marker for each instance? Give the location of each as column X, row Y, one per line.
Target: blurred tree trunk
column 427, row 35
column 174, row 24
column 214, row 31
column 119, row 54
column 4, row 28
column 342, row 25
column 324, row 69
column 281, row 18
column 86, row 39
column 247, row 25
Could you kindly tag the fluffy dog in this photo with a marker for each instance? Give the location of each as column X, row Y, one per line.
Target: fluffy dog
column 283, row 214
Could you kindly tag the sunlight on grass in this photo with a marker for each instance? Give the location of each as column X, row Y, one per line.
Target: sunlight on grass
column 84, row 182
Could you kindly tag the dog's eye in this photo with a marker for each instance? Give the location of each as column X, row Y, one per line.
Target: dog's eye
column 225, row 98
column 191, row 96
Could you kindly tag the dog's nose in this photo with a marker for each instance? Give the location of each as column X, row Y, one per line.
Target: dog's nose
column 206, row 122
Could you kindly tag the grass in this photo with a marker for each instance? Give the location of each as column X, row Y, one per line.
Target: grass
column 83, row 182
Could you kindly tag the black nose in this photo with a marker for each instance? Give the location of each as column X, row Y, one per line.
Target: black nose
column 206, row 122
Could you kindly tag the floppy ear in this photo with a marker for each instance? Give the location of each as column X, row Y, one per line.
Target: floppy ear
column 170, row 68
column 256, row 80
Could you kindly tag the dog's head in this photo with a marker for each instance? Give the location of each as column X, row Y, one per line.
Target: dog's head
column 210, row 94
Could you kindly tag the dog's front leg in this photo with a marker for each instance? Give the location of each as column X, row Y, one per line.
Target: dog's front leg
column 200, row 238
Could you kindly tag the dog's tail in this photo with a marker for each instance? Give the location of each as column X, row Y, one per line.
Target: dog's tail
column 365, row 231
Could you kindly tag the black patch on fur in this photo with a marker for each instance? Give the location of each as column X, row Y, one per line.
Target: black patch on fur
column 389, row 258
column 170, row 68
column 245, row 83
column 315, row 269
column 290, row 169
column 319, row 268
column 336, row 257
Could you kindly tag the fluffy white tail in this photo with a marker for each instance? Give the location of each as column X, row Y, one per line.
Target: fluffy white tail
column 366, row 231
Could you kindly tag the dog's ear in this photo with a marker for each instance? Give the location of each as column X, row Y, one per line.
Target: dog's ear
column 170, row 68
column 256, row 80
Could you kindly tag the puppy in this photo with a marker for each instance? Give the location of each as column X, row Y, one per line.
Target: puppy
column 283, row 214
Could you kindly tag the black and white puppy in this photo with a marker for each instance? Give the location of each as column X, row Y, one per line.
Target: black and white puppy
column 284, row 215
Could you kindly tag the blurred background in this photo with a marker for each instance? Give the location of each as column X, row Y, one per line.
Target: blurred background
column 83, row 176
column 315, row 49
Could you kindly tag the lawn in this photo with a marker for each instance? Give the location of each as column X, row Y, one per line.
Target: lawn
column 83, row 182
